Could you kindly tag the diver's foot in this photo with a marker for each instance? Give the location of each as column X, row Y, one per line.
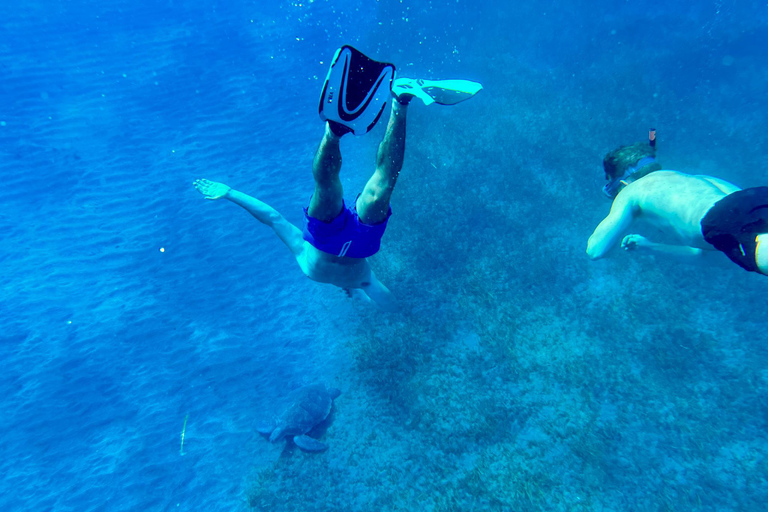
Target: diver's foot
column 443, row 92
column 403, row 90
column 338, row 129
column 211, row 189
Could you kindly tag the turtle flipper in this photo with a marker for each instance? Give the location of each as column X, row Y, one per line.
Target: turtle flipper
column 277, row 434
column 265, row 428
column 308, row 444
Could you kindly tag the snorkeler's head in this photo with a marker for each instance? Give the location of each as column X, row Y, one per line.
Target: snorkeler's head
column 627, row 164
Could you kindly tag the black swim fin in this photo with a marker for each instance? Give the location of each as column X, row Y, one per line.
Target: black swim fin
column 356, row 91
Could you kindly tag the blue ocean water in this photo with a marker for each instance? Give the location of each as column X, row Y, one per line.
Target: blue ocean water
column 518, row 375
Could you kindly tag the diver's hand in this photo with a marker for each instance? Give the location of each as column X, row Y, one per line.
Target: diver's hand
column 635, row 242
column 211, row 189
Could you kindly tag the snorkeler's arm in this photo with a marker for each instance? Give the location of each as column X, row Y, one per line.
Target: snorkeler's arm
column 638, row 243
column 287, row 232
column 608, row 232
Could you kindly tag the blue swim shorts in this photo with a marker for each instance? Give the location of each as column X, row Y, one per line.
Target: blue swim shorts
column 346, row 235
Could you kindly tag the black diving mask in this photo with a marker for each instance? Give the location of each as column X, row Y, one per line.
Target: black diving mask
column 613, row 187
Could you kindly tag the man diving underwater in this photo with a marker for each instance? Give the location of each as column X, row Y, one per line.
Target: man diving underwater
column 704, row 214
column 337, row 238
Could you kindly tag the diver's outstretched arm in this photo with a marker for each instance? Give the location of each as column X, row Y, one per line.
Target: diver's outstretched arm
column 287, row 232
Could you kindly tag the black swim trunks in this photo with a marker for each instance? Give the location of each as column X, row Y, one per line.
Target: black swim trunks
column 733, row 223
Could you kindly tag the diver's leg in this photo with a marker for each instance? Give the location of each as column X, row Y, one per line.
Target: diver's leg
column 761, row 253
column 380, row 295
column 327, row 201
column 291, row 236
column 373, row 203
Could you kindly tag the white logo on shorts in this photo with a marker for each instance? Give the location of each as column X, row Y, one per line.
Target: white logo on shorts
column 344, row 249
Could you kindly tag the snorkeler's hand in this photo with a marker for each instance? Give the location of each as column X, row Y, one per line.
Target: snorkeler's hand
column 211, row 189
column 635, row 242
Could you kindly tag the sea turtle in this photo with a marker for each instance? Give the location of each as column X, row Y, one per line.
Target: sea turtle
column 308, row 407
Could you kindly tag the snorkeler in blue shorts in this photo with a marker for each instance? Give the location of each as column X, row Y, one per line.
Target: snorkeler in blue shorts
column 338, row 237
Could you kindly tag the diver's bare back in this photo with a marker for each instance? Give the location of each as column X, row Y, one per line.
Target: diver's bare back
column 675, row 203
column 328, row 268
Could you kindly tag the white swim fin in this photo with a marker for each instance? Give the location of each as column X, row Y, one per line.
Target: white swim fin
column 442, row 92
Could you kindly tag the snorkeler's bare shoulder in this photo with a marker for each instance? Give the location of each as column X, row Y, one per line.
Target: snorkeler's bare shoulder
column 609, row 231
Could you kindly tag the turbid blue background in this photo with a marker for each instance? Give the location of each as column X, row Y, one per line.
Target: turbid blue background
column 519, row 376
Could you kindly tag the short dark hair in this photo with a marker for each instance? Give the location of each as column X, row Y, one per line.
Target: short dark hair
column 620, row 159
